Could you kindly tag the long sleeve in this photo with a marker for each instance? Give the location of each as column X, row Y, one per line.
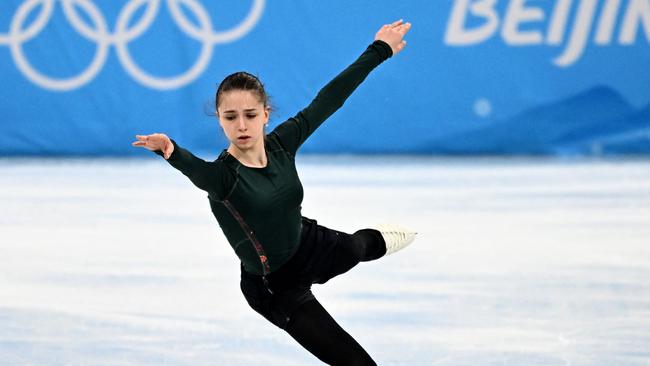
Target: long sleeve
column 293, row 132
column 207, row 176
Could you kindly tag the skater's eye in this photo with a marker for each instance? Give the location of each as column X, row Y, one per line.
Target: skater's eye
column 251, row 116
column 230, row 118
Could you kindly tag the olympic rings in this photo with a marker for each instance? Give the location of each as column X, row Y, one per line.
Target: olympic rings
column 120, row 38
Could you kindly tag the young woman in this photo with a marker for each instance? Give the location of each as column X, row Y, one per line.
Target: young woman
column 255, row 194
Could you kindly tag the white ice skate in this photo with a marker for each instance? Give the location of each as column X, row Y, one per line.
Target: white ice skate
column 395, row 236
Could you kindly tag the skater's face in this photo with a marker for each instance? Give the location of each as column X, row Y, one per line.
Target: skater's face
column 242, row 116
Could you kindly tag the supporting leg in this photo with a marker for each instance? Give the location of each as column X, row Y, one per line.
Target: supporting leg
column 315, row 329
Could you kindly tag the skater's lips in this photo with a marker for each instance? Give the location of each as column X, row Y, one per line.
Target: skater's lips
column 243, row 137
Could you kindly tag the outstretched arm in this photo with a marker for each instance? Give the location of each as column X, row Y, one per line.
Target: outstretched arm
column 203, row 174
column 388, row 42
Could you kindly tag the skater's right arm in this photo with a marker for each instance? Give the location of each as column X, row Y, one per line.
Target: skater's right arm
column 203, row 174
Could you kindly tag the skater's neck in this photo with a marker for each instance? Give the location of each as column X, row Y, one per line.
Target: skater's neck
column 254, row 157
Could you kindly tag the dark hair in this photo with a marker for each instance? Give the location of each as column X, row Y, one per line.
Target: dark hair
column 242, row 81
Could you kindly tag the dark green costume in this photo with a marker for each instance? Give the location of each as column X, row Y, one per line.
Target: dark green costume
column 258, row 209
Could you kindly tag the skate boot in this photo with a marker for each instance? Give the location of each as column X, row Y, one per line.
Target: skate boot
column 395, row 236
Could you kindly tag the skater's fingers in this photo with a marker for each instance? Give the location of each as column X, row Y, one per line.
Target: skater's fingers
column 404, row 28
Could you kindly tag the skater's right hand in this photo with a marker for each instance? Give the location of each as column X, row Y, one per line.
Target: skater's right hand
column 156, row 141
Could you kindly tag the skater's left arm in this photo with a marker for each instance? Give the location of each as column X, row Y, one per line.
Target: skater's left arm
column 389, row 41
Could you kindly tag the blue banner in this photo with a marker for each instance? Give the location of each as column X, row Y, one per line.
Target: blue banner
column 567, row 77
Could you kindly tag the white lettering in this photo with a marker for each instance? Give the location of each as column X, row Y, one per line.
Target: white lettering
column 580, row 34
column 607, row 22
column 457, row 34
column 637, row 11
column 558, row 22
column 475, row 21
column 517, row 13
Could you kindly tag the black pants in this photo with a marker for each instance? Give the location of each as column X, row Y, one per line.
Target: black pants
column 286, row 299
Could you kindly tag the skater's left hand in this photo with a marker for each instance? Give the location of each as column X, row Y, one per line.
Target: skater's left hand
column 393, row 34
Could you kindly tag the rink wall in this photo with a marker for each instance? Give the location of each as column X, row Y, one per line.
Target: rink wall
column 499, row 77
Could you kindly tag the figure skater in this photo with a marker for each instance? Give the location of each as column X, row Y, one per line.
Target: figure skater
column 255, row 194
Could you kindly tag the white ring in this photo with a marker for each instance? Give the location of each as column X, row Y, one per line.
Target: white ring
column 120, row 38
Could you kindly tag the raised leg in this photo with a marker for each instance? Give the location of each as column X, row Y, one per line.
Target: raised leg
column 350, row 249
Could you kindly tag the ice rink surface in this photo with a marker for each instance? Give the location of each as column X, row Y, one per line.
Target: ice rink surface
column 518, row 262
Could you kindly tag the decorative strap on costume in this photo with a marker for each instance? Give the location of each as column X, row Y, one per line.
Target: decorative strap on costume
column 266, row 268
